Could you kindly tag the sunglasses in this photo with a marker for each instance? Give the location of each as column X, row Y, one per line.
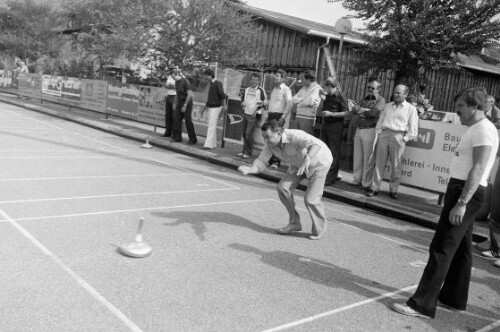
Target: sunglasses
column 371, row 88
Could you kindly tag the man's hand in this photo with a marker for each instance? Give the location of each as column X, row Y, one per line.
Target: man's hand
column 457, row 214
column 245, row 170
column 281, row 122
column 183, row 109
column 328, row 113
column 305, row 164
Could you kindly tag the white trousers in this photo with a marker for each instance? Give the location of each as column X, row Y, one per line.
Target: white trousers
column 213, row 116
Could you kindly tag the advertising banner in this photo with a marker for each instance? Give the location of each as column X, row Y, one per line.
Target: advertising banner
column 234, row 122
column 62, row 90
column 30, row 85
column 123, row 100
column 426, row 160
column 94, row 95
column 152, row 105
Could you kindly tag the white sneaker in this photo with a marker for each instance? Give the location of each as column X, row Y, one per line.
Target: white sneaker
column 404, row 309
column 496, row 263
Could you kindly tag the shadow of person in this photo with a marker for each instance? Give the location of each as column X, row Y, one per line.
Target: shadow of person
column 317, row 271
column 198, row 221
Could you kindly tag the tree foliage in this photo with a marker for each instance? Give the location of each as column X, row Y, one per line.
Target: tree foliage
column 26, row 29
column 164, row 33
column 412, row 36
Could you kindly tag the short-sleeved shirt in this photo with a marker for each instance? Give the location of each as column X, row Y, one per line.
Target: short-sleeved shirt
column 251, row 97
column 294, row 146
column 182, row 86
column 482, row 133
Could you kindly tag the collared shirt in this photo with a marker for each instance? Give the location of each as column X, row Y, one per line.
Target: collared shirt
column 307, row 100
column 292, row 149
column 251, row 97
column 402, row 117
column 281, row 100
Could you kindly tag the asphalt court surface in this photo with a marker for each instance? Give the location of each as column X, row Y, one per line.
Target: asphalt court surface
column 70, row 195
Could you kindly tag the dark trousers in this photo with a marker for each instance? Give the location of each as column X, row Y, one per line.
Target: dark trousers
column 169, row 114
column 331, row 134
column 495, row 214
column 177, row 121
column 448, row 271
column 274, row 116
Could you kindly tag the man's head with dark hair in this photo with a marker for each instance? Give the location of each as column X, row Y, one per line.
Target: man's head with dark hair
column 473, row 97
column 209, row 73
column 256, row 75
column 309, row 75
column 271, row 132
column 279, row 77
column 254, row 80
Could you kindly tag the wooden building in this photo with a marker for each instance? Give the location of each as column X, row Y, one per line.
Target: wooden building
column 296, row 44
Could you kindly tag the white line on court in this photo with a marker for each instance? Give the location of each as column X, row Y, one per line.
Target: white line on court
column 141, row 209
column 112, row 195
column 85, row 285
column 96, row 177
column 78, row 134
column 56, row 157
column 490, row 327
column 58, row 150
column 26, row 129
column 32, row 119
column 336, row 311
column 191, row 172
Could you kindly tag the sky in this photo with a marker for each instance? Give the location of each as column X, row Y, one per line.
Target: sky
column 322, row 11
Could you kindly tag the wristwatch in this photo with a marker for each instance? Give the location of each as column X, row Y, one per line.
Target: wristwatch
column 461, row 202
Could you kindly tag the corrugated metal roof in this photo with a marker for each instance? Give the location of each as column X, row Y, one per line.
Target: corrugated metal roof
column 476, row 63
column 301, row 25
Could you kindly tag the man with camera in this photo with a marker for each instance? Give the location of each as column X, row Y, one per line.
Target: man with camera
column 253, row 103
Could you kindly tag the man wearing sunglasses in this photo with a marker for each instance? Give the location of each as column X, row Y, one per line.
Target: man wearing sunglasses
column 367, row 112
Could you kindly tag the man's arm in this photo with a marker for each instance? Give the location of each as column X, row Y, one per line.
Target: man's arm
column 259, row 164
column 288, row 105
column 373, row 112
column 480, row 156
column 412, row 125
column 311, row 152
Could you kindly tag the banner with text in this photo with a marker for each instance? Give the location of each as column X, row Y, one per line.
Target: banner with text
column 30, row 85
column 123, row 100
column 94, row 95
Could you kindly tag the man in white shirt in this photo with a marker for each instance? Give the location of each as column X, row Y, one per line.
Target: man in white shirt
column 280, row 106
column 252, row 102
column 398, row 124
column 307, row 101
column 446, row 277
column 309, row 158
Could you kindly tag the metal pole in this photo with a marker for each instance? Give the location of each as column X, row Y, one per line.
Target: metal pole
column 339, row 55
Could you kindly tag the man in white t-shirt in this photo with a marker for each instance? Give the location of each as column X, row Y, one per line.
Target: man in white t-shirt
column 446, row 277
column 253, row 103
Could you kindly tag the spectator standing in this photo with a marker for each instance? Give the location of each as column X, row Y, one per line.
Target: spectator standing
column 446, row 277
column 335, row 108
column 216, row 100
column 169, row 104
column 367, row 112
column 280, row 106
column 183, row 107
column 252, row 102
column 397, row 125
column 307, row 101
column 309, row 158
column 492, row 112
